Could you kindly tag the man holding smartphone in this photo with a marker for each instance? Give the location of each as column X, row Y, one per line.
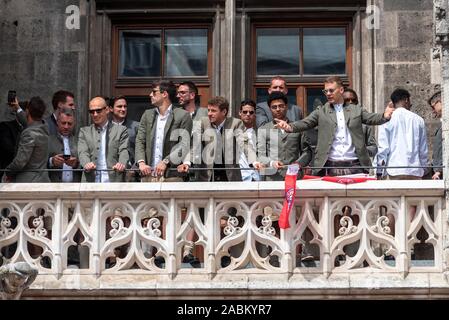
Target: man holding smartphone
column 62, row 149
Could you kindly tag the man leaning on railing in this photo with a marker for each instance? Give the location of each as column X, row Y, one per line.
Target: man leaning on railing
column 102, row 145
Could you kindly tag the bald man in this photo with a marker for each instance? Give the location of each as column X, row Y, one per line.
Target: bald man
column 102, row 146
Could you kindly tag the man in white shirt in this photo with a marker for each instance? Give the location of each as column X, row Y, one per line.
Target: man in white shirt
column 62, row 149
column 403, row 141
column 247, row 114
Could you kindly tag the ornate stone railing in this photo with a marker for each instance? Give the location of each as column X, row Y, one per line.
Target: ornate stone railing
column 103, row 237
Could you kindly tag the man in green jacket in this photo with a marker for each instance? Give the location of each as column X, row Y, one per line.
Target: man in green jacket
column 341, row 148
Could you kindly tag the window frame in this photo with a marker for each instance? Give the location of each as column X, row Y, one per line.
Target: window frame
column 138, row 86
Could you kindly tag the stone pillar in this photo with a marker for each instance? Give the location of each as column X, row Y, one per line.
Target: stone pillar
column 230, row 52
column 441, row 23
column 15, row 278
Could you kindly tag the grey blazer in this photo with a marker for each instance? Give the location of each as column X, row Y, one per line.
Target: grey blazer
column 52, row 125
column 176, row 146
column 264, row 115
column 56, row 146
column 273, row 145
column 233, row 135
column 32, row 154
column 133, row 127
column 116, row 149
column 326, row 120
column 437, row 153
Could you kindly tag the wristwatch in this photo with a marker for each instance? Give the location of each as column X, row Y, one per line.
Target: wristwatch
column 166, row 161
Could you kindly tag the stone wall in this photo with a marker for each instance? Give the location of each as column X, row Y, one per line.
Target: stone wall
column 406, row 55
column 39, row 55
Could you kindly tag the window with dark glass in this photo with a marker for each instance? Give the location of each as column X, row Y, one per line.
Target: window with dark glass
column 163, row 53
column 304, row 54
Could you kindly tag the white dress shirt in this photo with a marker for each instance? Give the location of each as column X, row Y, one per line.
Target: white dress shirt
column 342, row 148
column 102, row 176
column 248, row 175
column 158, row 143
column 67, row 173
column 402, row 142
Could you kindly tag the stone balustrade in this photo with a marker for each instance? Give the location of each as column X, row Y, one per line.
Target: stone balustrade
column 120, row 239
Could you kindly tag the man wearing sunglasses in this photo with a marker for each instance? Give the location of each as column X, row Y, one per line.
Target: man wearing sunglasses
column 247, row 114
column 163, row 138
column 341, row 148
column 103, row 145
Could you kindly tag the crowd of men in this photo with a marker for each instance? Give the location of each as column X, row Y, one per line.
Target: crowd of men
column 178, row 140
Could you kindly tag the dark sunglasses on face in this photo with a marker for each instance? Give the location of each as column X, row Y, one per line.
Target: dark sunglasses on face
column 248, row 112
column 93, row 111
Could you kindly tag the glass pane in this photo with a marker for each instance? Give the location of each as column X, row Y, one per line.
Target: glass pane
column 315, row 97
column 137, row 106
column 186, row 52
column 262, row 95
column 140, row 53
column 277, row 51
column 324, row 51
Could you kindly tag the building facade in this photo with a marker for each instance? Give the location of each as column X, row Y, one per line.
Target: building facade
column 230, row 48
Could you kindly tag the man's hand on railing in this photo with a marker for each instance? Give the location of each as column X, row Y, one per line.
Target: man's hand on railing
column 277, row 164
column 389, row 110
column 183, row 168
column 282, row 124
column 258, row 165
column 120, row 167
column 436, row 176
column 90, row 166
column 145, row 170
column 160, row 168
column 58, row 160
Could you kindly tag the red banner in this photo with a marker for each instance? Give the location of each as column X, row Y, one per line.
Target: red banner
column 289, row 196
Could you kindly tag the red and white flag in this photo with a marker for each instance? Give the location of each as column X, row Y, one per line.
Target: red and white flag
column 289, row 196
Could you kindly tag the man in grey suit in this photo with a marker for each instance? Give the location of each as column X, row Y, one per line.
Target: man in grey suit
column 277, row 148
column 62, row 99
column 163, row 138
column 218, row 136
column 63, row 149
column 341, row 142
column 263, row 113
column 30, row 161
column 118, row 109
column 189, row 100
column 102, row 145
column 437, row 143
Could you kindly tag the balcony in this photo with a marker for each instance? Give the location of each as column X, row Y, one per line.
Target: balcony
column 371, row 239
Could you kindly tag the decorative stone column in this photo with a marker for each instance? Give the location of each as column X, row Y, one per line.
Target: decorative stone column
column 15, row 278
column 441, row 23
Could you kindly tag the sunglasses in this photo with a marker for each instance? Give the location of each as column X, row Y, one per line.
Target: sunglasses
column 248, row 112
column 93, row 111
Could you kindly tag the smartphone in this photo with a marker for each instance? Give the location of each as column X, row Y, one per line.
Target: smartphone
column 66, row 156
column 11, row 96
